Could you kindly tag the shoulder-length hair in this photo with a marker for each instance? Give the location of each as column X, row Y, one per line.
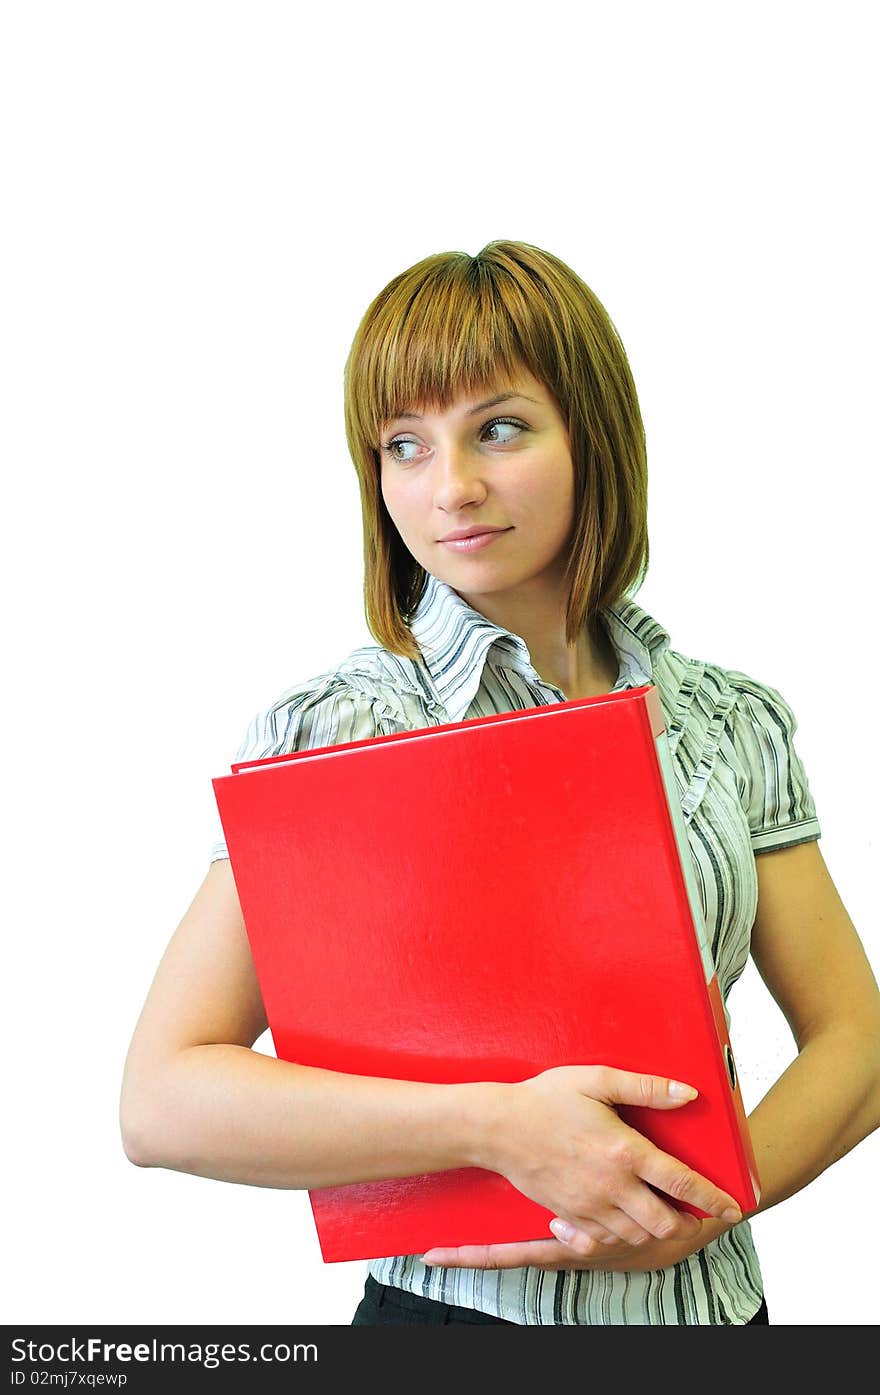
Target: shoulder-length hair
column 455, row 324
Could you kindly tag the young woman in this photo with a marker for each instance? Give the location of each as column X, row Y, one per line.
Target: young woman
column 494, row 424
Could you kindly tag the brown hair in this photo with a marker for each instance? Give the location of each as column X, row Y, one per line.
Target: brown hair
column 455, row 323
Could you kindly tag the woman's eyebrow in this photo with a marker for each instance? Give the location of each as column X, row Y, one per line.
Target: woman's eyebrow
column 472, row 411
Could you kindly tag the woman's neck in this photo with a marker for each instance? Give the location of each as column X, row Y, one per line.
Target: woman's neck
column 584, row 669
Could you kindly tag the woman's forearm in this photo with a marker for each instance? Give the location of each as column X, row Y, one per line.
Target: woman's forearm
column 233, row 1114
column 822, row 1105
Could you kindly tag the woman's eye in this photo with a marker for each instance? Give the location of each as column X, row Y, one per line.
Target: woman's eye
column 503, row 421
column 400, row 441
column 391, row 449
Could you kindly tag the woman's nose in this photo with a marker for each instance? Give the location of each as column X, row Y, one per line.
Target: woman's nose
column 458, row 478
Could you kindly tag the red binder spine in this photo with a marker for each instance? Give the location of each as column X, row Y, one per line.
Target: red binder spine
column 734, row 1101
column 735, row 1098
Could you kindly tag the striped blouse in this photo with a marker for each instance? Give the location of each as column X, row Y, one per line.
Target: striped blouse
column 743, row 791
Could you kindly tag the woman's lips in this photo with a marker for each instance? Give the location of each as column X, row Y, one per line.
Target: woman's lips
column 476, row 541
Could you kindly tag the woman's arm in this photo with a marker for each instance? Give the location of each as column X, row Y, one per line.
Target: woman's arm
column 196, row 1098
column 809, row 955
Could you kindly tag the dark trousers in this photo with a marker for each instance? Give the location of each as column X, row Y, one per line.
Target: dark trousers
column 382, row 1304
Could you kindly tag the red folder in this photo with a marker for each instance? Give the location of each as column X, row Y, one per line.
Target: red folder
column 481, row 901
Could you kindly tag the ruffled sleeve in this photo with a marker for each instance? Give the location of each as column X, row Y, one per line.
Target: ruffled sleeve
column 777, row 798
column 320, row 712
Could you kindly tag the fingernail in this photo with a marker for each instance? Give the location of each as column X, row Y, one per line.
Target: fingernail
column 732, row 1215
column 562, row 1230
column 678, row 1091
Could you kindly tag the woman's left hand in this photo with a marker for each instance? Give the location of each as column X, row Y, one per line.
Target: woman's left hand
column 582, row 1253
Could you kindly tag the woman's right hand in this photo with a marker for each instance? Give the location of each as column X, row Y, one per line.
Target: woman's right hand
column 559, row 1140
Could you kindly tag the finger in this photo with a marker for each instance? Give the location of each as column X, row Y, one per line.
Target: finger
column 682, row 1183
column 641, row 1214
column 568, row 1232
column 613, row 1086
column 621, row 1226
column 515, row 1255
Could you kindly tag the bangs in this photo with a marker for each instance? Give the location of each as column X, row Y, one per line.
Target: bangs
column 440, row 331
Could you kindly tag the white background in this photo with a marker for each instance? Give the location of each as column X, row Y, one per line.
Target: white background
column 200, row 201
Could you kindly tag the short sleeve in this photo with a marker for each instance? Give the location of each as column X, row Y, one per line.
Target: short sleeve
column 323, row 712
column 778, row 800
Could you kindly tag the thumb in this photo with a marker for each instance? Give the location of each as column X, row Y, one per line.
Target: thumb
column 612, row 1086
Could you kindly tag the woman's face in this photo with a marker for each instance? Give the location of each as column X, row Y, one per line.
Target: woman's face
column 483, row 464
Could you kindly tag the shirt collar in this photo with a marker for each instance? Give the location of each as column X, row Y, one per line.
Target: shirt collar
column 455, row 642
